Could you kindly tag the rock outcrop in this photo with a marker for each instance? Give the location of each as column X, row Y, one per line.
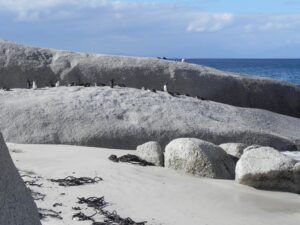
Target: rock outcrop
column 200, row 158
column 19, row 63
column 151, row 152
column 234, row 149
column 17, row 206
column 267, row 168
column 127, row 117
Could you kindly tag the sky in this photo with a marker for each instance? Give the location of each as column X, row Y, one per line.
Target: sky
column 169, row 28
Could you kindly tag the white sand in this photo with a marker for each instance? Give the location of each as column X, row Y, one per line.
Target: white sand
column 157, row 195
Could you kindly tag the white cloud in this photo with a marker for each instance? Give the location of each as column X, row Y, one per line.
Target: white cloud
column 34, row 9
column 210, row 22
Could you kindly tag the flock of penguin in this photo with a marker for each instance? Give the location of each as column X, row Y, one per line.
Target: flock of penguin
column 112, row 84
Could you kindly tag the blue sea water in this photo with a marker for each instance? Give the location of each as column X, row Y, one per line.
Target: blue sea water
column 278, row 69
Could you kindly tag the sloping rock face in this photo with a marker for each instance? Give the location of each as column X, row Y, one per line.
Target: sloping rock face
column 17, row 206
column 151, row 152
column 266, row 168
column 234, row 149
column 19, row 63
column 126, row 117
column 200, row 158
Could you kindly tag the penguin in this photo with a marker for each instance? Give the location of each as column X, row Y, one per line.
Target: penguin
column 182, row 60
column 29, row 85
column 200, row 98
column 112, row 83
column 95, row 84
column 57, row 83
column 166, row 87
column 34, row 86
column 5, row 88
column 171, row 93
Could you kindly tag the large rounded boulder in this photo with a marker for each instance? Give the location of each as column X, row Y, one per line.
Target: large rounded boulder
column 200, row 158
column 267, row 168
column 151, row 152
column 16, row 204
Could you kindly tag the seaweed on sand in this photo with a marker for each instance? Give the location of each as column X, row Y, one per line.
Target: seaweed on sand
column 73, row 181
column 133, row 159
column 110, row 218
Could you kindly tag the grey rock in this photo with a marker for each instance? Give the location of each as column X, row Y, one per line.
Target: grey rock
column 294, row 155
column 267, row 168
column 19, row 63
column 234, row 149
column 251, row 147
column 151, row 152
column 200, row 158
column 17, row 206
column 127, row 117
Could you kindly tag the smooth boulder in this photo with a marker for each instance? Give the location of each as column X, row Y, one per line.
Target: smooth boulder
column 19, row 63
column 200, row 158
column 267, row 168
column 17, row 206
column 128, row 117
column 234, row 149
column 151, row 152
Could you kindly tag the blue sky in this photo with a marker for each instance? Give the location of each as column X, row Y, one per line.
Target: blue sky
column 171, row 28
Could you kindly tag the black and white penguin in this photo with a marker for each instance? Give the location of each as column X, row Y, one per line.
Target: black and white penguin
column 57, row 83
column 171, row 93
column 166, row 87
column 34, row 86
column 112, row 83
column 200, row 98
column 51, row 84
column 28, row 84
column 5, row 88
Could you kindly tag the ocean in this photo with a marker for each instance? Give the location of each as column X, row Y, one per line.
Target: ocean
column 278, row 69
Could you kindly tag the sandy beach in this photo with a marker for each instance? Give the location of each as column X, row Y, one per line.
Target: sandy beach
column 157, row 195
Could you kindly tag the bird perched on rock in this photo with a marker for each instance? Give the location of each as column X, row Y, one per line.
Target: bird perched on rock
column 183, row 60
column 29, row 85
column 34, row 86
column 112, row 83
column 57, row 83
column 166, row 87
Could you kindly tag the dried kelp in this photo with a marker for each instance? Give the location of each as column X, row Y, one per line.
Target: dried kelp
column 110, row 218
column 73, row 181
column 82, row 217
column 133, row 159
column 44, row 213
column 93, row 202
column 37, row 195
